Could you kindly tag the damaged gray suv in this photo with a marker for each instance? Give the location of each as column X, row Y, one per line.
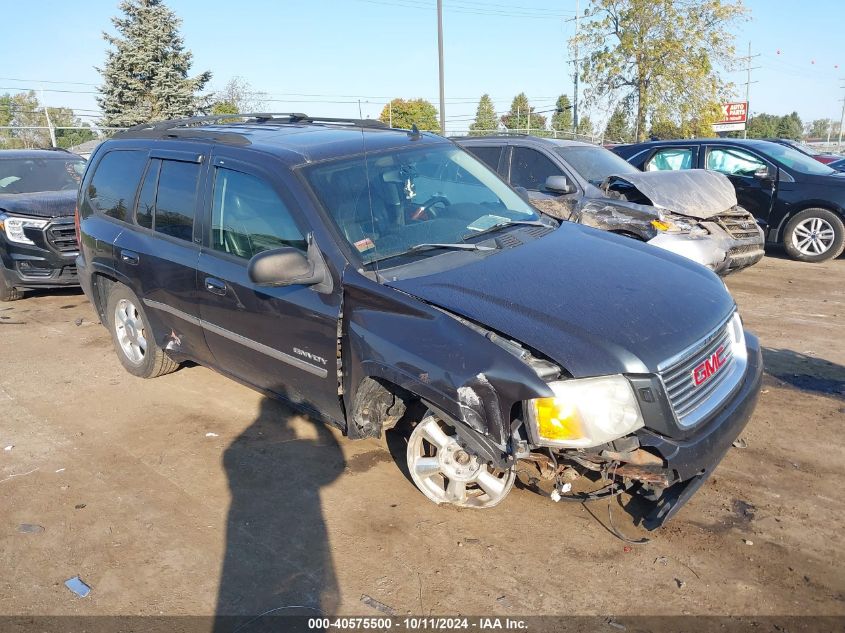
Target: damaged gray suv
column 692, row 213
column 385, row 280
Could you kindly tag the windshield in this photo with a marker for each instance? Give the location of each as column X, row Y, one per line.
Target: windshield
column 595, row 164
column 28, row 175
column 797, row 161
column 404, row 198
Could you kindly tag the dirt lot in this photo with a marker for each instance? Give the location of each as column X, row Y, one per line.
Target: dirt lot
column 191, row 494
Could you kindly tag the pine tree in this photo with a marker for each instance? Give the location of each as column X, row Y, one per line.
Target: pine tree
column 562, row 119
column 486, row 121
column 617, row 126
column 145, row 77
column 517, row 118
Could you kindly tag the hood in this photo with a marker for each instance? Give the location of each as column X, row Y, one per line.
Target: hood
column 42, row 204
column 693, row 192
column 594, row 302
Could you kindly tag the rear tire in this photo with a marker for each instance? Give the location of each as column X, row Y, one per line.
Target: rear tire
column 814, row 235
column 133, row 338
column 7, row 291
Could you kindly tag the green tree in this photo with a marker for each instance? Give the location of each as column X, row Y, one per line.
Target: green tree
column 562, row 119
column 521, row 116
column 662, row 55
column 585, row 126
column 145, row 77
column 23, row 112
column 617, row 128
column 403, row 113
column 762, row 126
column 66, row 118
column 790, row 126
column 486, row 120
column 819, row 128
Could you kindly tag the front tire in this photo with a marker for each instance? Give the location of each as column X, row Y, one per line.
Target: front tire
column 7, row 291
column 133, row 338
column 814, row 235
column 447, row 472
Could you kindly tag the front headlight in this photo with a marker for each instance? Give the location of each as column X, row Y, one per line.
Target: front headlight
column 14, row 226
column 585, row 412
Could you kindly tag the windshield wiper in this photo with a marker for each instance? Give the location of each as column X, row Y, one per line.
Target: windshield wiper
column 501, row 225
column 458, row 246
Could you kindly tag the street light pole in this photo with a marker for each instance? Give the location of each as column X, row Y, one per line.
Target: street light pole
column 440, row 56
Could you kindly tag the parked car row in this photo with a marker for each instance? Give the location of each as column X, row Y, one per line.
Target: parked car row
column 694, row 214
column 799, row 201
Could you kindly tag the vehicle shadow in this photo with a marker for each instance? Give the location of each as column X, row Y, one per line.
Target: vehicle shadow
column 807, row 373
column 278, row 561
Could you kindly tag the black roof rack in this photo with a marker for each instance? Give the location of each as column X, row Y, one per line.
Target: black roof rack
column 162, row 128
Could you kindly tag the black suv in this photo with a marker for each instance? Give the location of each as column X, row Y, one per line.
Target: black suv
column 372, row 276
column 37, row 239
column 799, row 201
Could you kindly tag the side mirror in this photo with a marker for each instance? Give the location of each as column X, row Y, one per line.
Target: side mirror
column 289, row 266
column 559, row 184
column 765, row 173
column 522, row 192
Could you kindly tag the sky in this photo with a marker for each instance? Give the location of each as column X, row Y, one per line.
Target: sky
column 323, row 57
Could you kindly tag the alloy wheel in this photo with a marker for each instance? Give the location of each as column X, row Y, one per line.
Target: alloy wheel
column 813, row 236
column 130, row 331
column 447, row 471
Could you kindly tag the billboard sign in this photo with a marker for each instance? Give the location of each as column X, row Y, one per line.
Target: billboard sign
column 734, row 117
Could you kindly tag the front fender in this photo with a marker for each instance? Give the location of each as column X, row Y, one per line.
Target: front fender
column 392, row 336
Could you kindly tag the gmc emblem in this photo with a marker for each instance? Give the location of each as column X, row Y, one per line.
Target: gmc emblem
column 708, row 368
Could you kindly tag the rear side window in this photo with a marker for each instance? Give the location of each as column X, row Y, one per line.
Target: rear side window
column 113, row 187
column 671, row 159
column 176, row 200
column 488, row 154
column 529, row 169
column 248, row 216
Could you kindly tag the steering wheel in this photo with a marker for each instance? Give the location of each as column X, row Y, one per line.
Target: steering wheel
column 426, row 211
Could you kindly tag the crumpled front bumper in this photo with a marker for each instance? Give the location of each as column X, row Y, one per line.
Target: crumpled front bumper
column 691, row 461
column 719, row 251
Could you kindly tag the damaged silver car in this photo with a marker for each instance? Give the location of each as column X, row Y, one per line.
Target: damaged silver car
column 692, row 213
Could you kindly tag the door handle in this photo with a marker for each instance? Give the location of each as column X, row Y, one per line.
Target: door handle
column 216, row 286
column 130, row 257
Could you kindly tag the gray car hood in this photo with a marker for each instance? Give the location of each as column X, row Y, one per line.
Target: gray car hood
column 693, row 192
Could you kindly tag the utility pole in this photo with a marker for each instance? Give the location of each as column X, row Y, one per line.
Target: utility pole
column 390, row 113
column 53, row 131
column 748, row 83
column 575, row 65
column 841, row 123
column 440, row 55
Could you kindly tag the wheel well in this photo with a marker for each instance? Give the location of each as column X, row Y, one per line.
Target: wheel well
column 102, row 285
column 781, row 229
column 378, row 406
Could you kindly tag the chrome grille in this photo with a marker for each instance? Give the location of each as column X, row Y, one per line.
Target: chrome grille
column 62, row 237
column 691, row 402
column 739, row 227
